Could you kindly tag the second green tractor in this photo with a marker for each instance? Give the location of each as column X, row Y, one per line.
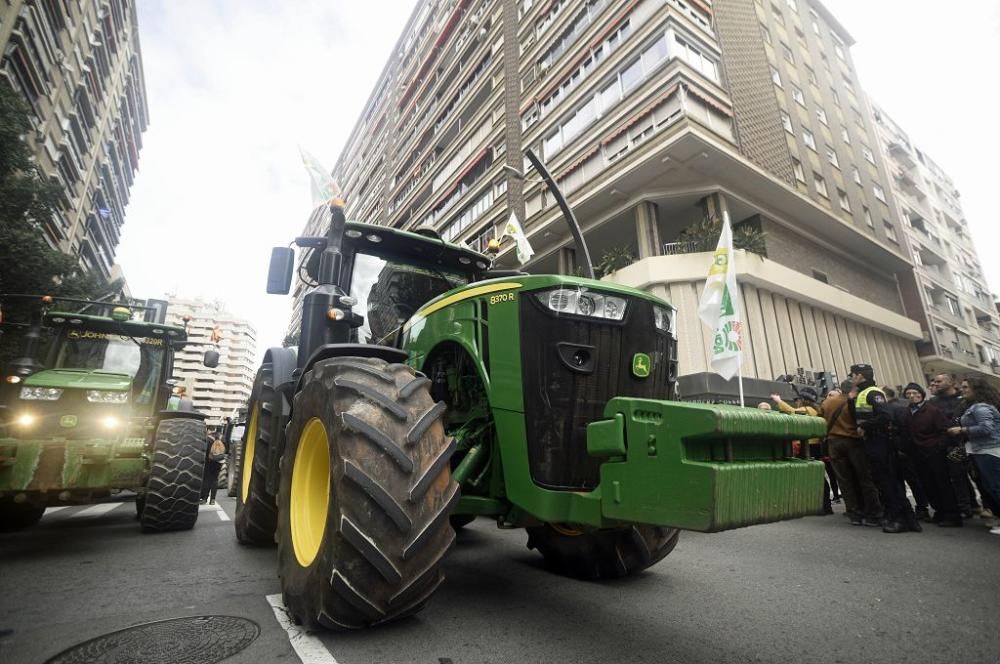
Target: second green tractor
column 428, row 389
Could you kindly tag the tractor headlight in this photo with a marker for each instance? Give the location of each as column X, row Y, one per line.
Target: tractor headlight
column 583, row 303
column 40, row 393
column 106, row 396
column 25, row 420
column 110, row 422
column 665, row 319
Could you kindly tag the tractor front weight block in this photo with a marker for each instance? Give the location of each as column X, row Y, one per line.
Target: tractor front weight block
column 703, row 467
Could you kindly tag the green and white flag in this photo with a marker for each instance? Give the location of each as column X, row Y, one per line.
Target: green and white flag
column 323, row 186
column 719, row 307
column 512, row 229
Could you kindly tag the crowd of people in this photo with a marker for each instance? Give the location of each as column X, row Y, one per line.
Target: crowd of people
column 946, row 448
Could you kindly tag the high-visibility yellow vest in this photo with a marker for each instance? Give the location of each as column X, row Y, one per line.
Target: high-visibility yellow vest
column 861, row 404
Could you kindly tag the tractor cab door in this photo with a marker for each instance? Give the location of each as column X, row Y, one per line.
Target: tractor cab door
column 389, row 290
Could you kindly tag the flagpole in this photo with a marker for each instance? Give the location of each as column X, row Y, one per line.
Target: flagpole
column 736, row 304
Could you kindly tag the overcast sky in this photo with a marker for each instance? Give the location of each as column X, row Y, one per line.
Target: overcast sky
column 234, row 87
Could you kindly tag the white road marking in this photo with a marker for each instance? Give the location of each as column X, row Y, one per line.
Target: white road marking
column 53, row 510
column 97, row 510
column 309, row 648
column 214, row 508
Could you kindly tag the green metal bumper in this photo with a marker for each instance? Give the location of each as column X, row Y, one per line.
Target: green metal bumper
column 686, row 465
column 703, row 467
column 37, row 466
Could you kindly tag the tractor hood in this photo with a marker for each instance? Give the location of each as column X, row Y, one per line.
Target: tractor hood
column 80, row 379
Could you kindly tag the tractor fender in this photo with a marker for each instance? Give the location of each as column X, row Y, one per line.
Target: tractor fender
column 325, row 352
column 283, row 362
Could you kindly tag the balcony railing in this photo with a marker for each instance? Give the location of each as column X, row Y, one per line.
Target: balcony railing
column 678, row 248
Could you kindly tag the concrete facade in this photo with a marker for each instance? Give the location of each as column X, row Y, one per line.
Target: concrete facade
column 78, row 65
column 960, row 325
column 215, row 392
column 651, row 115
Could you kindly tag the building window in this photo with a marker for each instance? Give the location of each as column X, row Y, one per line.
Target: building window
column 868, row 216
column 814, row 19
column 890, row 231
column 879, row 192
column 800, row 174
column 869, row 155
column 797, row 96
column 809, row 140
column 821, row 116
column 765, row 33
column 684, row 48
column 845, row 203
column 791, row 4
column 844, row 135
column 856, row 174
column 836, row 97
column 811, row 75
column 831, row 156
column 786, row 122
column 778, row 16
column 820, row 276
column 820, row 185
column 839, row 50
column 775, row 76
column 786, row 53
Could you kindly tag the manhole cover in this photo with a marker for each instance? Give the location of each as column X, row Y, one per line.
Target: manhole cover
column 192, row 640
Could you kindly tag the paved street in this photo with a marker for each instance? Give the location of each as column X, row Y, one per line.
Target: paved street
column 812, row 590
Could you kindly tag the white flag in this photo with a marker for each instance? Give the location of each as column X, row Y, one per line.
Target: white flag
column 323, row 186
column 719, row 307
column 513, row 230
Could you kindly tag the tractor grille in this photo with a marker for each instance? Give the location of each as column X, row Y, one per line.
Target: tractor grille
column 49, row 418
column 560, row 402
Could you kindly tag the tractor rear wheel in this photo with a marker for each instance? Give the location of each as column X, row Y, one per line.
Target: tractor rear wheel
column 14, row 516
column 366, row 492
column 223, row 481
column 175, row 476
column 601, row 554
column 256, row 510
column 235, row 459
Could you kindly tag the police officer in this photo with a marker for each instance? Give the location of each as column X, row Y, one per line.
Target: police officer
column 874, row 417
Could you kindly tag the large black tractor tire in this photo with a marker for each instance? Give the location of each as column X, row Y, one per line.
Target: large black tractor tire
column 235, row 458
column 14, row 516
column 601, row 554
column 223, row 481
column 256, row 510
column 366, row 492
column 174, row 486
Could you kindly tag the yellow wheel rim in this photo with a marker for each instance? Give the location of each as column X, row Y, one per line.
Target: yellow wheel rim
column 248, row 450
column 310, row 492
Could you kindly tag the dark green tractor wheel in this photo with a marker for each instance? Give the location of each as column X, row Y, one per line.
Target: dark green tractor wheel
column 14, row 516
column 366, row 494
column 256, row 510
column 601, row 554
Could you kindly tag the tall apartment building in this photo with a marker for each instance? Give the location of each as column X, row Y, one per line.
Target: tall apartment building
column 216, row 392
column 960, row 322
column 78, row 65
column 652, row 115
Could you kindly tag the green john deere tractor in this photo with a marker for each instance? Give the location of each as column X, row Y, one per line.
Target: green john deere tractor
column 84, row 413
column 429, row 389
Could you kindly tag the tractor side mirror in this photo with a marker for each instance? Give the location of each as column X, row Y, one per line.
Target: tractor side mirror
column 279, row 274
column 211, row 359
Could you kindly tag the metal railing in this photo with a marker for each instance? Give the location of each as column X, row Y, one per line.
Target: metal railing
column 677, row 248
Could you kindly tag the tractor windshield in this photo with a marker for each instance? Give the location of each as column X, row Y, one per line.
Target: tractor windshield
column 391, row 290
column 142, row 359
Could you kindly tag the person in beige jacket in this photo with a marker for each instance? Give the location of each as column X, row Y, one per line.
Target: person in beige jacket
column 847, row 454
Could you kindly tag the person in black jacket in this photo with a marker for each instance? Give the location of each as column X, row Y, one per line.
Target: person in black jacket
column 928, row 427
column 874, row 417
column 210, row 480
column 903, row 443
column 947, row 398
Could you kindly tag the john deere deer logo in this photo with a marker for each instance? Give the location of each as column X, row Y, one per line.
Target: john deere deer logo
column 641, row 365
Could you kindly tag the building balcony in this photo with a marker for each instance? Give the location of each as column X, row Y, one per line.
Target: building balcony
column 900, row 152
